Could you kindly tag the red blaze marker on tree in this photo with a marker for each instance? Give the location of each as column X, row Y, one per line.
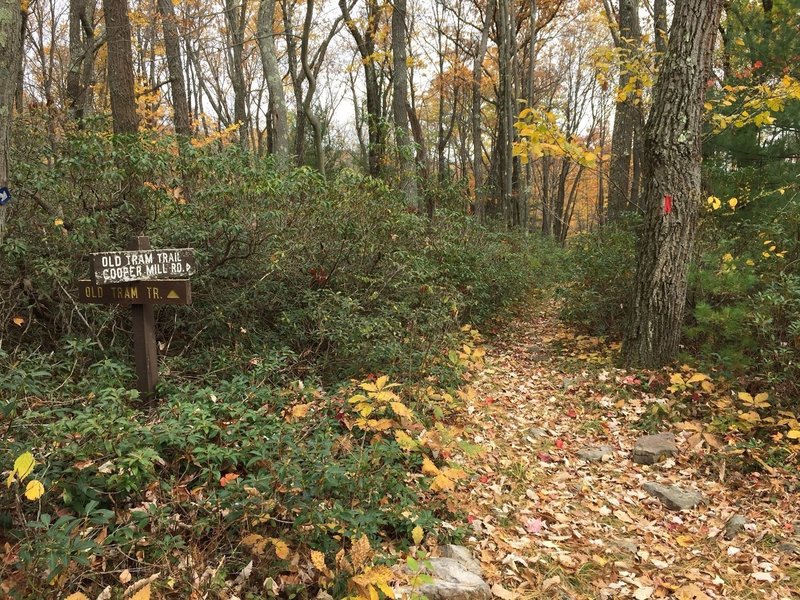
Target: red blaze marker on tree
column 667, row 204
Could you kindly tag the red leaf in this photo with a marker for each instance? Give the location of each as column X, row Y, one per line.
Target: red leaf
column 559, row 443
column 667, row 204
column 545, row 457
column 470, row 519
column 484, row 479
column 758, row 64
column 572, row 413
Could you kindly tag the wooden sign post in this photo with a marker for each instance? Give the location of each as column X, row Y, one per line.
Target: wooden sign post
column 141, row 277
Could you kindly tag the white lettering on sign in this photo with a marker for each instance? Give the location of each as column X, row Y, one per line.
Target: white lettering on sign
column 142, row 265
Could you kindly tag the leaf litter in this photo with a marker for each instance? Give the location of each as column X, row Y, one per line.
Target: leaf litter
column 545, row 522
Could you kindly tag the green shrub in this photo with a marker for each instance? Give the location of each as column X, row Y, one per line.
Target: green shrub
column 600, row 269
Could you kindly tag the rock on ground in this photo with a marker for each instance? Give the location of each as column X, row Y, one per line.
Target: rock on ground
column 650, row 449
column 462, row 555
column 672, row 496
column 456, row 576
column 734, row 525
column 453, row 581
column 595, row 454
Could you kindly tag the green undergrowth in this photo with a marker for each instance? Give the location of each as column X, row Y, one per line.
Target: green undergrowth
column 305, row 287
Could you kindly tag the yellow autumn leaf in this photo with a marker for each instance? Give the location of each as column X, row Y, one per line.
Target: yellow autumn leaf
column 428, row 468
column 301, row 410
column 684, row 541
column 281, row 549
column 361, row 552
column 252, row 539
column 762, row 398
column 745, row 397
column 697, row 377
column 380, row 424
column 387, row 591
column 24, row 464
column 77, row 596
column 442, row 483
column 401, row 410
column 417, row 534
column 382, row 381
column 676, row 379
column 256, row 543
column 405, row 441
column 34, row 489
column 733, row 202
column 18, row 321
column 318, row 560
column 454, row 474
column 142, row 594
column 707, row 386
column 750, row 417
column 794, row 434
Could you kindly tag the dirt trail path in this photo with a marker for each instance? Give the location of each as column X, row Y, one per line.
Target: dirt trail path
column 550, row 525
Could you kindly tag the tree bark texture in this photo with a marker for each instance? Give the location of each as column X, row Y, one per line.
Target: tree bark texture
column 235, row 20
column 671, row 196
column 366, row 47
column 505, row 139
column 120, row 67
column 80, row 71
column 172, row 48
column 477, row 116
column 311, row 77
column 10, row 53
column 278, row 117
column 405, row 150
column 626, row 115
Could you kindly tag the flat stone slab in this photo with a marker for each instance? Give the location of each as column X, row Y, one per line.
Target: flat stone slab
column 672, row 496
column 453, row 581
column 596, row 454
column 651, row 449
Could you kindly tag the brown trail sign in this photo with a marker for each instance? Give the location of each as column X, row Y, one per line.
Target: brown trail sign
column 142, row 265
column 173, row 291
column 141, row 277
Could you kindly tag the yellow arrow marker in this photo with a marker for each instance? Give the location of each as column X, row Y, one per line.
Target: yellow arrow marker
column 173, row 294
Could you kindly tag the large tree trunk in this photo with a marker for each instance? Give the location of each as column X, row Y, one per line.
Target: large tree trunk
column 405, row 151
column 123, row 106
column 278, row 118
column 172, row 47
column 297, row 82
column 120, row 67
column 660, row 26
column 366, row 47
column 235, row 19
column 627, row 115
column 311, row 77
column 671, row 195
column 506, row 108
column 10, row 53
column 476, row 114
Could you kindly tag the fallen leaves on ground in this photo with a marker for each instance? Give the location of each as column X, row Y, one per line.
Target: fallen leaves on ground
column 543, row 520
